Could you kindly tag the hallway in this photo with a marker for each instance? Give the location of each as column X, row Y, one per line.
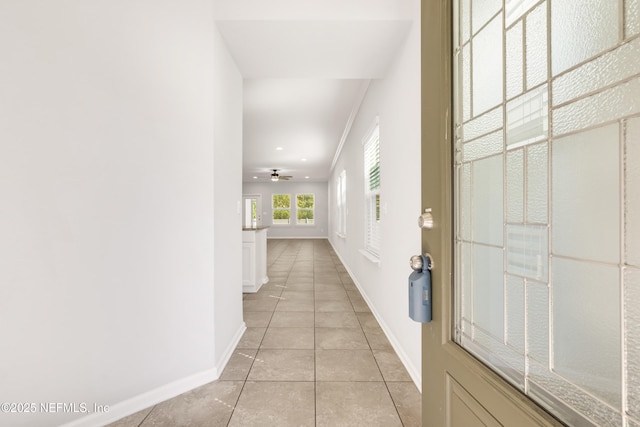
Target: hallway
column 313, row 354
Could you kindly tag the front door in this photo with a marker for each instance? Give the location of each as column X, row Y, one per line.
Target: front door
column 251, row 210
column 531, row 166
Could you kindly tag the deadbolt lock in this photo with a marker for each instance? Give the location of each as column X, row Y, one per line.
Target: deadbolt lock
column 426, row 220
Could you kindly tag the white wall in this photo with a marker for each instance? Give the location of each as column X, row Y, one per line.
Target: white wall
column 396, row 100
column 109, row 160
column 266, row 189
column 227, row 131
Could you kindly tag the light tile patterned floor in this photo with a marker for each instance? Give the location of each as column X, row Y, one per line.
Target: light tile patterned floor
column 312, row 355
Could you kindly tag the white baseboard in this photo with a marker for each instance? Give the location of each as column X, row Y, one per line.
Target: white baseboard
column 162, row 393
column 228, row 352
column 297, row 238
column 414, row 373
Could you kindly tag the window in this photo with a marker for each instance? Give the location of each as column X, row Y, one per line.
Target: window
column 372, row 191
column 305, row 204
column 281, row 208
column 341, row 203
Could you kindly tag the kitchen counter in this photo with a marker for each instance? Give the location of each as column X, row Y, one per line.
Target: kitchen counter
column 254, row 258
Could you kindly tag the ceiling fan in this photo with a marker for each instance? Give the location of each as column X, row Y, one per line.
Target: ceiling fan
column 275, row 176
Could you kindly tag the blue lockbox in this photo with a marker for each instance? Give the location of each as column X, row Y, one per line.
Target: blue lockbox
column 420, row 289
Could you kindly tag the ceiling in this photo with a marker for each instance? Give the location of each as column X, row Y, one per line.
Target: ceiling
column 306, row 68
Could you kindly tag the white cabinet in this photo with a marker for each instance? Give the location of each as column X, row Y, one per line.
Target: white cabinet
column 254, row 259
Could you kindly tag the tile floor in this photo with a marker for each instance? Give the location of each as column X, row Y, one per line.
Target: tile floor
column 312, row 355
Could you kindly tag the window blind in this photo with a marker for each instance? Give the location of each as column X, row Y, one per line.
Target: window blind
column 372, row 192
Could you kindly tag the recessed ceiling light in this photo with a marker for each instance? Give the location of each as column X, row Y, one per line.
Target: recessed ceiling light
column 255, row 177
column 279, row 148
column 304, row 160
column 306, row 177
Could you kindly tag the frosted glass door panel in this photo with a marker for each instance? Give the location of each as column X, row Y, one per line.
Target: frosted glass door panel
column 547, row 200
column 587, row 348
column 528, row 251
column 487, row 67
column 586, row 175
column 515, row 306
column 483, row 11
column 528, row 118
column 581, row 29
column 631, row 298
column 516, row 8
column 603, row 107
column 466, row 82
column 488, row 305
column 632, row 21
column 465, row 20
column 624, row 61
column 487, row 200
column 515, row 186
column 537, row 183
column 537, row 46
column 514, row 61
column 537, row 327
column 486, row 123
column 632, row 185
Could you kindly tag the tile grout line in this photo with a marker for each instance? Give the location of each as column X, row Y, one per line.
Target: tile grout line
column 147, row 416
column 315, row 369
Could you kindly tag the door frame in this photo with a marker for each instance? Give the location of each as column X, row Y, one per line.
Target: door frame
column 448, row 371
column 258, row 198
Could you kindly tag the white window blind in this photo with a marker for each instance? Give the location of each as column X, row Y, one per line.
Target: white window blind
column 372, row 191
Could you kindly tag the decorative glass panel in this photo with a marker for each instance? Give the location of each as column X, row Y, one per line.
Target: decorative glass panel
column 466, row 82
column 631, row 18
column 467, row 299
column 528, row 251
column 465, row 20
column 585, row 192
column 483, row 11
column 581, row 29
column 514, row 61
column 546, row 386
column 487, row 199
column 632, row 185
column 528, row 118
column 516, row 8
column 484, row 146
column 488, row 304
column 538, row 321
column 515, row 313
column 537, row 183
column 612, row 67
column 632, row 344
column 487, row 67
column 536, row 41
column 483, row 125
column 606, row 106
column 548, row 192
column 577, row 332
column 465, row 201
column 515, row 186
